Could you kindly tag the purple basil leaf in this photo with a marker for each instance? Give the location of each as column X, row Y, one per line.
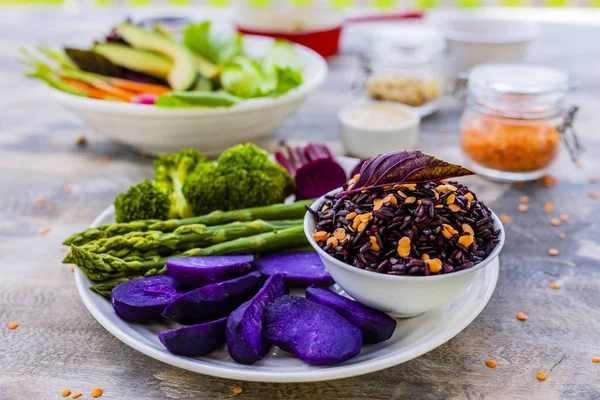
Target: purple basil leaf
column 403, row 167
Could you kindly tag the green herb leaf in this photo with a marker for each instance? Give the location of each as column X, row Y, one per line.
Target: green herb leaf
column 217, row 49
column 243, row 77
column 283, row 64
column 403, row 167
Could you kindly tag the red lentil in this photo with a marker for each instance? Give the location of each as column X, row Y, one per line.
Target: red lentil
column 521, row 316
column 13, row 325
column 491, row 363
column 553, row 252
column 97, row 392
column 65, row 393
column 555, row 286
column 541, row 375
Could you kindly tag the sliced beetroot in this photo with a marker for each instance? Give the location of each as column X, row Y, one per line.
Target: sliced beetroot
column 300, row 269
column 314, row 333
column 213, row 301
column 376, row 326
column 314, row 169
column 195, row 340
column 141, row 300
column 245, row 340
column 202, row 271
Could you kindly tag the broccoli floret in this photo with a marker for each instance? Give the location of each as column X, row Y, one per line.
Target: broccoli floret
column 142, row 201
column 243, row 177
column 170, row 173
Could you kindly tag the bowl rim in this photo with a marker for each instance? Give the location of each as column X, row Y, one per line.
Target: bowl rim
column 309, row 226
column 415, row 118
column 310, row 84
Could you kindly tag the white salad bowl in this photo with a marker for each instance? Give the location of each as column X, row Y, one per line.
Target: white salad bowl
column 157, row 130
column 401, row 296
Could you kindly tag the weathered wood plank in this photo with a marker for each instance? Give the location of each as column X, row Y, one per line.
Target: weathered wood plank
column 59, row 345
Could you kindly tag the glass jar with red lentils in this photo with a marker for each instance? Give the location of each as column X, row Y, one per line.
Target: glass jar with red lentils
column 514, row 122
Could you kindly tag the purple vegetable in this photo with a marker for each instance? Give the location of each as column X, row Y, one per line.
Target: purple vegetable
column 141, row 300
column 403, row 167
column 202, row 271
column 245, row 340
column 314, row 169
column 376, row 326
column 314, row 333
column 300, row 269
column 195, row 340
column 213, row 301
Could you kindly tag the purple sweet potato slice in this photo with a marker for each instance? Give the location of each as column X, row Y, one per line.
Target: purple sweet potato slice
column 202, row 271
column 300, row 269
column 195, row 340
column 245, row 340
column 142, row 300
column 376, row 326
column 314, row 333
column 213, row 301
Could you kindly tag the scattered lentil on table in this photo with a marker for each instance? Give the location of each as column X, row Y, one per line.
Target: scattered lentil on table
column 563, row 236
column 45, row 231
column 549, row 207
column 97, row 392
column 555, row 222
column 68, row 189
column 13, row 325
column 237, row 390
column 593, row 195
column 491, row 363
column 521, row 316
column 39, row 201
column 554, row 286
column 541, row 375
column 524, row 199
column 76, row 395
column 596, row 360
column 522, row 207
column 553, row 252
column 65, row 393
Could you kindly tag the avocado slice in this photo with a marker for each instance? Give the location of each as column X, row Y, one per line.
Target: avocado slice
column 147, row 62
column 206, row 68
column 184, row 71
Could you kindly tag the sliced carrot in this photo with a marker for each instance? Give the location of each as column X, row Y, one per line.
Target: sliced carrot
column 87, row 88
column 114, row 91
column 139, row 87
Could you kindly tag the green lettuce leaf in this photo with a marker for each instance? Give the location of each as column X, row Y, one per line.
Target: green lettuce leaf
column 283, row 64
column 218, row 49
column 244, row 77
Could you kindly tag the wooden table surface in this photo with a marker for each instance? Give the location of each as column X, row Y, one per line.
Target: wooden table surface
column 59, row 345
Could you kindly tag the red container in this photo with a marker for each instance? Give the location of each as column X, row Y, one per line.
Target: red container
column 318, row 31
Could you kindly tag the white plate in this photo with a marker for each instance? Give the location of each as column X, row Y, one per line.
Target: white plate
column 412, row 338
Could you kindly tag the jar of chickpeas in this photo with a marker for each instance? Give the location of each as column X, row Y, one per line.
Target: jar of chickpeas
column 404, row 65
column 515, row 121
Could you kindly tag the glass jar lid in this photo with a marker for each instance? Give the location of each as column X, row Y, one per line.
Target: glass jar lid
column 406, row 45
column 524, row 91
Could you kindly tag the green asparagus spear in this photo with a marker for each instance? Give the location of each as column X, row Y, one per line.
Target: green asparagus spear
column 185, row 237
column 272, row 212
column 104, row 267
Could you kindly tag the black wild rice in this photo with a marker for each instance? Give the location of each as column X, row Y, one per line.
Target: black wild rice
column 447, row 228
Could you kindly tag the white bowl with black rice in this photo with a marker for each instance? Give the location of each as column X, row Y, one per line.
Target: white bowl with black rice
column 404, row 249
